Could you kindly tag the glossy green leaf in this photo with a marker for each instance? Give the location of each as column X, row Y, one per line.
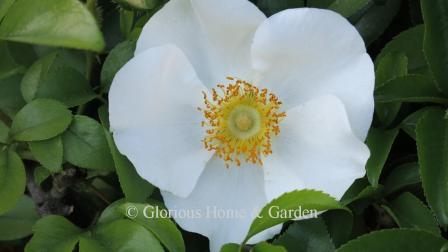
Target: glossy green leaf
column 65, row 23
column 302, row 203
column 392, row 65
column 135, row 188
column 306, row 235
column 432, row 147
column 410, row 88
column 53, row 234
column 163, row 228
column 348, row 7
column 120, row 235
column 392, row 240
column 116, row 59
column 401, row 177
column 49, row 153
column 409, row 42
column 409, row 212
column 40, row 119
column 18, row 222
column 12, row 179
column 266, row 247
column 380, row 143
column 435, row 15
column 409, row 124
column 85, row 145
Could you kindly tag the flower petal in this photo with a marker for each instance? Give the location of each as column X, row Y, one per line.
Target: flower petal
column 237, row 190
column 303, row 53
column 214, row 34
column 153, row 104
column 316, row 149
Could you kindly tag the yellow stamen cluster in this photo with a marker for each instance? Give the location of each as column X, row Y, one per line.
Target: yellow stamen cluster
column 240, row 120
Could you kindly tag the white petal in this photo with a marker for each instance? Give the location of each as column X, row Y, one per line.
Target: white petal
column 153, row 104
column 214, row 34
column 303, row 53
column 315, row 149
column 237, row 190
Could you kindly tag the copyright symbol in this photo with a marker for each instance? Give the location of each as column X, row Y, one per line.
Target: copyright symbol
column 131, row 212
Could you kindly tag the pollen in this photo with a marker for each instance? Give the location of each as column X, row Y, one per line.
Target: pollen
column 240, row 122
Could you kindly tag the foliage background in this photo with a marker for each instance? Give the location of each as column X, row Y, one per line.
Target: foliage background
column 64, row 186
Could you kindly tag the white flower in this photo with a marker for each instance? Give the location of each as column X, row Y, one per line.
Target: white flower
column 309, row 134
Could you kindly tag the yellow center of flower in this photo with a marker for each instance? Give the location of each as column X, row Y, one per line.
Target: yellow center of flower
column 240, row 120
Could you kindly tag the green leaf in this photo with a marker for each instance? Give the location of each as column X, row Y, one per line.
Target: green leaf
column 54, row 234
column 138, row 4
column 270, row 7
column 410, row 88
column 432, row 147
column 49, row 153
column 116, row 59
column 66, row 85
column 112, row 212
column 135, row 188
column 4, row 6
column 40, row 174
column 230, row 247
column 85, row 145
column 18, row 222
column 403, row 176
column 435, row 15
column 380, row 143
column 53, row 77
column 11, row 99
column 163, row 228
column 87, row 244
column 4, row 132
column 120, row 235
column 409, row 212
column 40, row 119
column 126, row 22
column 409, row 124
column 409, row 42
column 303, row 202
column 339, row 225
column 306, row 235
column 395, row 240
column 266, row 247
column 323, row 4
column 392, row 65
column 8, row 66
column 65, row 23
column 348, row 7
column 376, row 19
column 12, row 179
